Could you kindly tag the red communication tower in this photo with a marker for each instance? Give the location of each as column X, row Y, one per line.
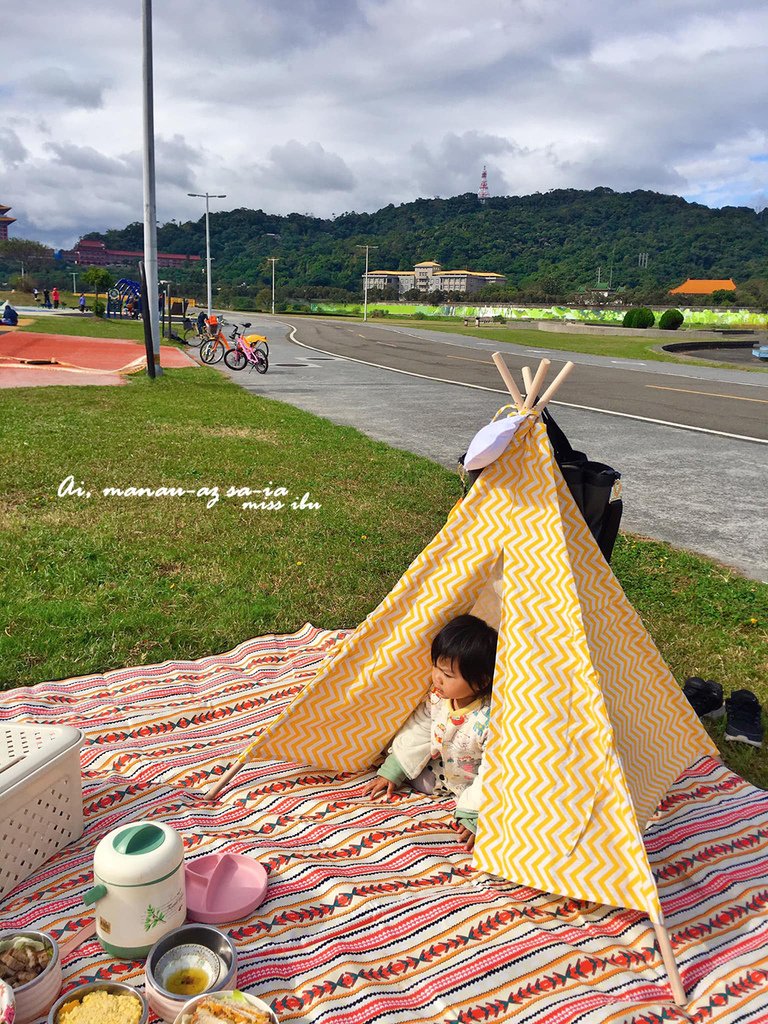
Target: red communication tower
column 483, row 192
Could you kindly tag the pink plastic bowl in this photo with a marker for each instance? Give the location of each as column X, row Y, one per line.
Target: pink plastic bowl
column 223, row 887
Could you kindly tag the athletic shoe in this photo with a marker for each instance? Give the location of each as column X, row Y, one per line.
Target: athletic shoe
column 743, row 724
column 705, row 697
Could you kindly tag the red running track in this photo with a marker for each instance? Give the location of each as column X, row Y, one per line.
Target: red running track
column 79, row 361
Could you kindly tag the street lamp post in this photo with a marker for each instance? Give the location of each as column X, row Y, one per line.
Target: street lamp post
column 365, row 285
column 273, row 260
column 74, row 283
column 207, row 196
column 152, row 313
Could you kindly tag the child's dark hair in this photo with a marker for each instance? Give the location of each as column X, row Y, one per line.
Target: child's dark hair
column 471, row 643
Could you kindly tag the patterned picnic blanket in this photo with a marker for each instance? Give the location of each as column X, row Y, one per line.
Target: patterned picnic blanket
column 373, row 912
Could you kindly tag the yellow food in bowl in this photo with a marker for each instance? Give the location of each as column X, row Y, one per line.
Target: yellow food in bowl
column 189, row 981
column 101, row 1007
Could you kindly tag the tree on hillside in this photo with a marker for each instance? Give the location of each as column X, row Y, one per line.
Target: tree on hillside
column 723, row 297
column 24, row 249
column 553, row 242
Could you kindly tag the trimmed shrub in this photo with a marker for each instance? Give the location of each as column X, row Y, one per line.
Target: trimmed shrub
column 418, row 316
column 378, row 313
column 98, row 307
column 671, row 319
column 640, row 317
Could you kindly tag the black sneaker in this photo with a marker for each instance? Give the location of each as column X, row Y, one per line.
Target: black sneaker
column 743, row 724
column 705, row 697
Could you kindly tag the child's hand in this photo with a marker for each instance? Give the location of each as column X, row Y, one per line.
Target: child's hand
column 380, row 787
column 467, row 837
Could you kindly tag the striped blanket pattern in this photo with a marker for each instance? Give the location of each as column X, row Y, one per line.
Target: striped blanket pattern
column 373, row 912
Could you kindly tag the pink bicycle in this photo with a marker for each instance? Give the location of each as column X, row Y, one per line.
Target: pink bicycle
column 251, row 350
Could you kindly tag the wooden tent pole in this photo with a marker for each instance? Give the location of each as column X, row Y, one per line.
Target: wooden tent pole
column 549, row 394
column 536, row 383
column 229, row 774
column 508, row 379
column 668, row 956
column 527, row 379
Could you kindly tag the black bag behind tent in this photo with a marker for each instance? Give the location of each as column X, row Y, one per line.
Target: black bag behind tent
column 591, row 484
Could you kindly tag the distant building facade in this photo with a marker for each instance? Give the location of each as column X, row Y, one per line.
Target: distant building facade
column 4, row 222
column 429, row 276
column 703, row 287
column 92, row 253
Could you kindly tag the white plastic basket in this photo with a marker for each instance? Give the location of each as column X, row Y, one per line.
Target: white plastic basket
column 41, row 797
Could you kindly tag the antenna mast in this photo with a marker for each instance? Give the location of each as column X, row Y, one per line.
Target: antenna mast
column 483, row 192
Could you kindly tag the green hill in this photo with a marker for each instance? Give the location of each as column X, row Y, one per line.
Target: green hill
column 555, row 239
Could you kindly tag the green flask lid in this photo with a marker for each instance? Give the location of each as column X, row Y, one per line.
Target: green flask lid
column 138, row 839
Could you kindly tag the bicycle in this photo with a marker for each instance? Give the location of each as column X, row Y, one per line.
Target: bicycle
column 194, row 332
column 216, row 343
column 215, row 348
column 248, row 350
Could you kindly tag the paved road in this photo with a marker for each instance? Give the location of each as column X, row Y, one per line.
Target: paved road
column 738, row 356
column 691, row 441
column 730, row 402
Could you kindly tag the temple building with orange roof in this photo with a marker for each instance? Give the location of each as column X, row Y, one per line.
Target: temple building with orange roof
column 429, row 276
column 4, row 222
column 694, row 286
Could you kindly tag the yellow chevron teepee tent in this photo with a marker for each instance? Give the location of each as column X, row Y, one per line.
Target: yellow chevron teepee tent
column 588, row 726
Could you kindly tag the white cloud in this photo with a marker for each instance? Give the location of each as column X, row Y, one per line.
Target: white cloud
column 329, row 105
column 305, row 167
column 57, row 86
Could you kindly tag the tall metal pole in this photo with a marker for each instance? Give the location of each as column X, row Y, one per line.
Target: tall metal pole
column 74, row 283
column 207, row 196
column 150, row 205
column 208, row 252
column 365, row 285
column 273, row 260
column 365, row 290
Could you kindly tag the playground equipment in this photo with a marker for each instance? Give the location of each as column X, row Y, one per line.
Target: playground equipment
column 124, row 299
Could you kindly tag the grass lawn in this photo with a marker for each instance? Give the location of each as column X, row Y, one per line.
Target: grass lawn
column 87, row 327
column 90, row 584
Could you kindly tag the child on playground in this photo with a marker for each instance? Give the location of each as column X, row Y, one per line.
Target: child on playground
column 440, row 748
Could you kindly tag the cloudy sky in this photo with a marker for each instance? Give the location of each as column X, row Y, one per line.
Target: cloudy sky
column 324, row 106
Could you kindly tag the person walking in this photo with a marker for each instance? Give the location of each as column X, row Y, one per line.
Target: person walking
column 55, row 297
column 81, row 302
column 36, row 295
column 46, row 298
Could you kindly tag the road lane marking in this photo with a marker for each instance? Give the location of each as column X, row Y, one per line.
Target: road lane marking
column 466, row 359
column 709, row 394
column 502, row 391
column 634, row 365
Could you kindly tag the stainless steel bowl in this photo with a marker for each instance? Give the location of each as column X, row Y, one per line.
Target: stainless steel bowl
column 194, row 934
column 115, row 987
column 34, row 998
